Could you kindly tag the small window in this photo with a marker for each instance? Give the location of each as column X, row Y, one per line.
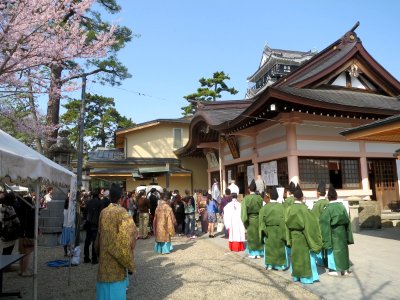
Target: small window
column 178, row 138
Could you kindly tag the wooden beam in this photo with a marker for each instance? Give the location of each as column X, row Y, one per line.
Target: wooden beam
column 213, row 145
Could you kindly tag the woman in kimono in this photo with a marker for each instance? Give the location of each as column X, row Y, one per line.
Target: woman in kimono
column 336, row 235
column 304, row 238
column 164, row 226
column 250, row 209
column 272, row 233
column 234, row 225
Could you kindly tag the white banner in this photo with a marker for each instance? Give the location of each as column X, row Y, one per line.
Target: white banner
column 229, row 176
column 250, row 174
column 269, row 173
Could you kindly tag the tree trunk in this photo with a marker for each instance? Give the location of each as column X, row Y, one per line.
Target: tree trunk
column 103, row 134
column 53, row 105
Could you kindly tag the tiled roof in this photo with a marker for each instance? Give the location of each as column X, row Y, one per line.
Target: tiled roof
column 349, row 98
column 106, row 154
column 325, row 63
column 389, row 120
column 216, row 113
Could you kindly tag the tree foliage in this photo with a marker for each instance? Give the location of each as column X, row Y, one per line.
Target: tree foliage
column 210, row 90
column 45, row 45
column 101, row 121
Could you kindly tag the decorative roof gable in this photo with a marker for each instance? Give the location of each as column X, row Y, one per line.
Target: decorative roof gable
column 345, row 64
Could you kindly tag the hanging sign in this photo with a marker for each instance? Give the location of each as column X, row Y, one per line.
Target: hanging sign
column 233, row 146
column 269, row 173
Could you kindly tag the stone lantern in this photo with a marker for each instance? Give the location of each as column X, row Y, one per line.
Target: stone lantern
column 62, row 151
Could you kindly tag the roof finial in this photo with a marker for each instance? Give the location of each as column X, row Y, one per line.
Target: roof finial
column 355, row 26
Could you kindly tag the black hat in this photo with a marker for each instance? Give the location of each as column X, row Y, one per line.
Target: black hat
column 252, row 186
column 332, row 194
column 298, row 193
column 115, row 192
column 291, row 187
column 321, row 188
column 274, row 193
column 167, row 195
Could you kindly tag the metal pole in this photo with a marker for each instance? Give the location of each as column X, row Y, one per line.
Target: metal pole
column 35, row 249
column 222, row 183
column 80, row 161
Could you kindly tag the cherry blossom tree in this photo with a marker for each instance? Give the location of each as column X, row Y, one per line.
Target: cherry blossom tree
column 40, row 44
column 36, row 33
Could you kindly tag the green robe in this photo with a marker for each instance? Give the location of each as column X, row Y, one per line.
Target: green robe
column 336, row 233
column 319, row 206
column 272, row 227
column 303, row 236
column 288, row 201
column 251, row 206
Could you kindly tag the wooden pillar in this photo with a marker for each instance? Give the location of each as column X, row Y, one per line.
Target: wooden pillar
column 293, row 159
column 364, row 168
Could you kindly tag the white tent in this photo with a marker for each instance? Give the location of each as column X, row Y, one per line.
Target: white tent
column 21, row 164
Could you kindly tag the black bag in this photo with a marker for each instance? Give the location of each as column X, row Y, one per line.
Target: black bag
column 10, row 232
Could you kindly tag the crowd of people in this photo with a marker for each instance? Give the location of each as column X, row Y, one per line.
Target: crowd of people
column 281, row 230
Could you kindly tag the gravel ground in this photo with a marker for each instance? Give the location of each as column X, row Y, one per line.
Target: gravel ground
column 195, row 269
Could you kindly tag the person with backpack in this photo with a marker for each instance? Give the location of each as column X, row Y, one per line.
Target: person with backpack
column 190, row 208
column 92, row 212
column 10, row 222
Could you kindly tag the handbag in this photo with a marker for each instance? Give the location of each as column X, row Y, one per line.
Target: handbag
column 220, row 227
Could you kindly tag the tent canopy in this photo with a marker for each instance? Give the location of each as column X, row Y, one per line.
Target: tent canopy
column 20, row 163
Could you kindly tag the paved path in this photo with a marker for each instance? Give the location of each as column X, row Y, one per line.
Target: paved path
column 202, row 269
column 376, row 268
column 205, row 269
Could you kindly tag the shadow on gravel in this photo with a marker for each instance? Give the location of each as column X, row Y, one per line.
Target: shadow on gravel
column 385, row 233
column 188, row 243
column 153, row 279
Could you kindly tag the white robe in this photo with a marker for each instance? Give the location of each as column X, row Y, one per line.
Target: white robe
column 233, row 222
column 234, row 188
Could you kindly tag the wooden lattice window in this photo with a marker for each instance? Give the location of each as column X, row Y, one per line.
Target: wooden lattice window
column 343, row 173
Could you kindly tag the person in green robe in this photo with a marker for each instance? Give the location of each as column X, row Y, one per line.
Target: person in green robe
column 273, row 233
column 250, row 209
column 336, row 235
column 317, row 209
column 289, row 200
column 304, row 238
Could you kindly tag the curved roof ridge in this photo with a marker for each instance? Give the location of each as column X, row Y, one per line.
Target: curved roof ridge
column 324, row 58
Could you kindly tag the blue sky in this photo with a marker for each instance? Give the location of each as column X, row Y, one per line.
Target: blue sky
column 182, row 41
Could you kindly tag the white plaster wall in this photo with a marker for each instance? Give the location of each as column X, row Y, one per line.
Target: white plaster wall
column 244, row 140
column 270, row 133
column 329, row 146
column 381, row 147
column 312, row 128
column 228, row 158
column 246, row 152
column 272, row 149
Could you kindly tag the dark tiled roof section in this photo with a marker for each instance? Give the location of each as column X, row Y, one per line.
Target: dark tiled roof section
column 392, row 119
column 326, row 63
column 111, row 170
column 106, row 154
column 216, row 113
column 349, row 98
